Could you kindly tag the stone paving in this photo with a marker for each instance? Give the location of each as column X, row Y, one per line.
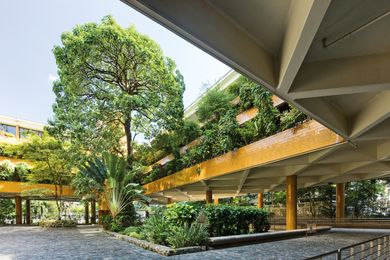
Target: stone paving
column 90, row 243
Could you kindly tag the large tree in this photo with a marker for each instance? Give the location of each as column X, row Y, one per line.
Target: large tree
column 113, row 82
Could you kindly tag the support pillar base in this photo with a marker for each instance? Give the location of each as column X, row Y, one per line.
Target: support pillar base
column 102, row 213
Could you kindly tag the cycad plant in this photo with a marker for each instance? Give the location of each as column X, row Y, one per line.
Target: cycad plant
column 115, row 181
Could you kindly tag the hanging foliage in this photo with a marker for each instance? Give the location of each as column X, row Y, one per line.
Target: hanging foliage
column 221, row 132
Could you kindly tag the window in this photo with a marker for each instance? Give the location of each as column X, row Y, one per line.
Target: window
column 24, row 132
column 8, row 129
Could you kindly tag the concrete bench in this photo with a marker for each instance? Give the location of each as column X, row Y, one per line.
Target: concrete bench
column 259, row 237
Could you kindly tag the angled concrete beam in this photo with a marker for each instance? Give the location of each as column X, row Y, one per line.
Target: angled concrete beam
column 303, row 22
column 374, row 113
column 184, row 193
column 383, row 150
column 329, row 115
column 342, row 76
column 205, row 184
column 242, row 181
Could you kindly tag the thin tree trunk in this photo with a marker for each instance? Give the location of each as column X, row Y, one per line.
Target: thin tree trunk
column 57, row 202
column 129, row 140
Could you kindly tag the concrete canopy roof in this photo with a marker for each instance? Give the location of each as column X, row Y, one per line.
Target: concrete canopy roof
column 317, row 55
column 331, row 59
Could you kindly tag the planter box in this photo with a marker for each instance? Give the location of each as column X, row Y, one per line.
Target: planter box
column 225, row 241
column 217, row 242
column 162, row 250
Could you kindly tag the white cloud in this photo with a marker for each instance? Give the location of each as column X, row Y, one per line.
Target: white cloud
column 52, row 78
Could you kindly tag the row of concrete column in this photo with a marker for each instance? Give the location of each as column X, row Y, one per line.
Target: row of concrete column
column 87, row 216
column 19, row 211
column 291, row 201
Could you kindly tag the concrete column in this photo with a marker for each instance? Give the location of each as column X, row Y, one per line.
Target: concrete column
column 28, row 212
column 340, row 200
column 93, row 212
column 291, row 202
column 18, row 210
column 209, row 196
column 103, row 209
column 216, row 201
column 17, row 132
column 86, row 217
column 260, row 200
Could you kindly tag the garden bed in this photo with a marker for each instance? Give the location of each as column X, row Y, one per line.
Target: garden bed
column 217, row 242
column 162, row 250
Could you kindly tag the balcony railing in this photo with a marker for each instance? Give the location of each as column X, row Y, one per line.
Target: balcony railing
column 377, row 248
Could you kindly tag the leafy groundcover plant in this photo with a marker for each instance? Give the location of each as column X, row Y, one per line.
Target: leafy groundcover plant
column 190, row 224
column 51, row 223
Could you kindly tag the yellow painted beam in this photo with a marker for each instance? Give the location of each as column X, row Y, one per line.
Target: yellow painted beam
column 247, row 115
column 307, row 137
column 13, row 187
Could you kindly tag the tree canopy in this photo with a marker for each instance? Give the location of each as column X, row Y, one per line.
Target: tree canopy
column 113, row 82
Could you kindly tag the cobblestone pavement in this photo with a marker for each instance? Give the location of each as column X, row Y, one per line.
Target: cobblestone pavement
column 90, row 243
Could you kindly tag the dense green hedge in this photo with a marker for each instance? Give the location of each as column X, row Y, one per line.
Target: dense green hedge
column 222, row 220
column 191, row 223
column 181, row 213
column 226, row 220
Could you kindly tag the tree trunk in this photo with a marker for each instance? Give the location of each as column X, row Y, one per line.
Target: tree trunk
column 57, row 202
column 129, row 140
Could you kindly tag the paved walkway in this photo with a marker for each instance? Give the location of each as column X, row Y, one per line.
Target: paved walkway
column 90, row 243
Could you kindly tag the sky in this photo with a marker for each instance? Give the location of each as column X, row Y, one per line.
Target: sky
column 30, row 29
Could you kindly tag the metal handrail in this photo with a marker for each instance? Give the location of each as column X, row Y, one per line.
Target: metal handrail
column 330, row 221
column 382, row 249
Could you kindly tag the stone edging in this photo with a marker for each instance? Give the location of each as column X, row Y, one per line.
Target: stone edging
column 258, row 237
column 162, row 250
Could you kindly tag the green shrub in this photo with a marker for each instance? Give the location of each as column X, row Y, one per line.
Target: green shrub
column 156, row 230
column 106, row 221
column 135, row 235
column 51, row 223
column 116, row 225
column 179, row 214
column 188, row 235
column 226, row 220
column 291, row 118
column 130, row 229
column 7, row 209
column 213, row 105
column 133, row 231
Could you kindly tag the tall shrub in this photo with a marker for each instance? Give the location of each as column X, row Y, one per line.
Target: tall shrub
column 226, row 220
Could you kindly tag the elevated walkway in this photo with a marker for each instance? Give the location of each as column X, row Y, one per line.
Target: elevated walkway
column 43, row 191
column 33, row 191
column 312, row 152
